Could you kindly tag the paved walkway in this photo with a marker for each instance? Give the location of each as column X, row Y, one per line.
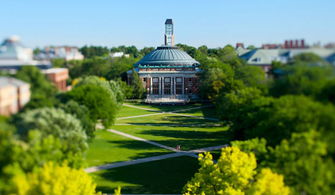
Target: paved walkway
column 138, row 116
column 143, row 140
column 176, row 153
column 141, row 108
column 154, row 158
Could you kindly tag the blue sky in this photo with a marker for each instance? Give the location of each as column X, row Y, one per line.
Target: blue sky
column 141, row 22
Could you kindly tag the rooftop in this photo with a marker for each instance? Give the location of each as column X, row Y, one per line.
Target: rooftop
column 167, row 56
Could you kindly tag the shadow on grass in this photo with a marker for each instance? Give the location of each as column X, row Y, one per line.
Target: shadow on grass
column 158, row 177
column 189, row 140
column 169, row 108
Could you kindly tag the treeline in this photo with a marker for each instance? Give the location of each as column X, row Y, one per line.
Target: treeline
column 286, row 121
column 46, row 142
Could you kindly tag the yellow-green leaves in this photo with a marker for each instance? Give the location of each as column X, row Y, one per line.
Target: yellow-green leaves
column 53, row 179
column 233, row 174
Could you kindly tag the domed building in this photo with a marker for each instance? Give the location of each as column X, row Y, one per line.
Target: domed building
column 169, row 74
column 13, row 55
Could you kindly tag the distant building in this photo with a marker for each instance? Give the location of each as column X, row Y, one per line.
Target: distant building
column 14, row 94
column 58, row 77
column 295, row 44
column 271, row 46
column 118, row 55
column 264, row 57
column 63, row 52
column 169, row 74
column 14, row 55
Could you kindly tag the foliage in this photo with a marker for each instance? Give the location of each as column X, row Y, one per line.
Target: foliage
column 289, row 114
column 58, row 62
column 256, row 146
column 252, row 76
column 54, row 179
column 81, row 112
column 268, row 183
column 101, row 82
column 98, row 100
column 217, row 78
column 301, row 80
column 65, row 127
column 94, row 51
column 95, row 66
column 42, row 91
column 137, row 84
column 232, row 174
column 309, row 59
column 246, row 102
column 327, row 92
column 304, row 162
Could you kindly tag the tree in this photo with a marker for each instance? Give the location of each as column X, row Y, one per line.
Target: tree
column 301, row 80
column 42, row 89
column 98, row 100
column 94, row 51
column 267, row 183
column 252, row 76
column 95, row 66
column 137, row 84
column 233, row 174
column 246, row 102
column 304, row 161
column 52, row 121
column 101, row 82
column 54, row 179
column 81, row 112
column 217, row 78
column 308, row 59
column 289, row 114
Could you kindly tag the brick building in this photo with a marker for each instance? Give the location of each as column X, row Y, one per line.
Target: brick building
column 169, row 74
column 14, row 94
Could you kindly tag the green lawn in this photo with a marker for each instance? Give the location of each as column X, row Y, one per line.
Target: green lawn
column 157, row 177
column 108, row 147
column 164, row 176
column 204, row 112
column 128, row 111
column 172, row 130
column 164, row 108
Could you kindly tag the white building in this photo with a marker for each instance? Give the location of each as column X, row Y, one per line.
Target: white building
column 14, row 55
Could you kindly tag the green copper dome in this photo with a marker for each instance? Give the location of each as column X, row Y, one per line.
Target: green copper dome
column 167, row 56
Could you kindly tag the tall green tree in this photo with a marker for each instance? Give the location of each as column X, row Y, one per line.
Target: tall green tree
column 137, row 85
column 42, row 90
column 56, row 122
column 98, row 100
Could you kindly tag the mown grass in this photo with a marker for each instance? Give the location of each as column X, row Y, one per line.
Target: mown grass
column 128, row 111
column 158, row 177
column 108, row 148
column 172, row 130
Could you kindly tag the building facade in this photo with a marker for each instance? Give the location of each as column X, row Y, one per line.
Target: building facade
column 169, row 74
column 58, row 77
column 13, row 55
column 14, row 94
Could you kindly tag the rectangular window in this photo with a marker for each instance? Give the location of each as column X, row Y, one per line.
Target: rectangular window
column 155, row 86
column 167, row 85
column 179, row 85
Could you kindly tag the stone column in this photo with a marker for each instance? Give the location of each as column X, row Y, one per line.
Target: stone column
column 163, row 86
column 150, row 85
column 182, row 81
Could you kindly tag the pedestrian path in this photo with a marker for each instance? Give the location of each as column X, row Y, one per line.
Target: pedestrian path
column 132, row 162
column 143, row 140
column 176, row 152
column 191, row 153
column 141, row 108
